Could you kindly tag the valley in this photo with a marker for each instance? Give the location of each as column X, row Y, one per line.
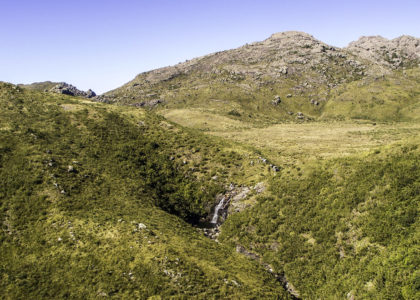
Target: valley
column 283, row 169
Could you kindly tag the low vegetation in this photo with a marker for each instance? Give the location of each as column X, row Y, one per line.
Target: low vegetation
column 93, row 204
column 314, row 148
column 347, row 227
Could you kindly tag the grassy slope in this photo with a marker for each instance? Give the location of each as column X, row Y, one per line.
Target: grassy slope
column 348, row 187
column 335, row 225
column 345, row 226
column 220, row 107
column 76, row 234
column 39, row 86
column 237, row 99
column 392, row 98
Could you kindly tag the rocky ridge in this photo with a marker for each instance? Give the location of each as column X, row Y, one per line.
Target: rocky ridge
column 403, row 51
column 68, row 89
column 287, row 55
column 307, row 67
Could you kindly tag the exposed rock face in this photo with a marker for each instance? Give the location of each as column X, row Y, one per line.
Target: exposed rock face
column 395, row 53
column 68, row 89
column 90, row 94
column 293, row 65
column 283, row 55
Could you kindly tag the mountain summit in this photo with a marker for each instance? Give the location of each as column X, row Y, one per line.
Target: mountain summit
column 294, row 67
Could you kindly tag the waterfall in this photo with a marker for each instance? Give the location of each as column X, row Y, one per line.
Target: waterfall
column 216, row 211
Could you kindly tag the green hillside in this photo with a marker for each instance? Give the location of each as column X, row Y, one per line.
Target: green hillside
column 395, row 97
column 93, row 205
column 342, row 228
column 283, row 169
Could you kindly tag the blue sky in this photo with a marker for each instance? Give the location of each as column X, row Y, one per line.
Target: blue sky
column 103, row 44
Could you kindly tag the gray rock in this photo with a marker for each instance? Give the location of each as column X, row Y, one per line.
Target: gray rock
column 276, row 100
column 149, row 104
column 68, row 89
column 314, row 102
column 141, row 226
column 259, row 187
column 240, row 249
column 391, row 53
column 283, row 70
column 300, row 116
column 90, row 94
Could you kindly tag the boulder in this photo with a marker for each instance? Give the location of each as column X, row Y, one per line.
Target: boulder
column 300, row 116
column 276, row 100
column 314, row 102
column 68, row 89
column 90, row 94
column 150, row 104
column 283, row 70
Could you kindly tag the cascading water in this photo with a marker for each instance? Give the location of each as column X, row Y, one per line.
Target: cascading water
column 216, row 211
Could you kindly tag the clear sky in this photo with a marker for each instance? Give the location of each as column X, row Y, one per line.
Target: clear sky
column 101, row 44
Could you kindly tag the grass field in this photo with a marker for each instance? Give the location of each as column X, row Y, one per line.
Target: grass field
column 293, row 142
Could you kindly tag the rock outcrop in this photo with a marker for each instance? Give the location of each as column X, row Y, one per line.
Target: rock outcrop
column 68, row 89
column 288, row 72
column 403, row 51
column 282, row 56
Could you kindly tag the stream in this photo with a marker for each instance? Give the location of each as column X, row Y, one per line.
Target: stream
column 216, row 211
column 214, row 232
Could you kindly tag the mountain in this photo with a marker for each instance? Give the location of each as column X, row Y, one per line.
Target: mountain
column 283, row 169
column 302, row 73
column 342, row 124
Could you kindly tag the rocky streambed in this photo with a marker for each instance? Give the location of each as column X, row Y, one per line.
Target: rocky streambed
column 230, row 202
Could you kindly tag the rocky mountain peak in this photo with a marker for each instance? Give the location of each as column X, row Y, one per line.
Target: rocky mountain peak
column 399, row 52
column 293, row 39
column 365, row 41
column 285, row 58
column 290, row 34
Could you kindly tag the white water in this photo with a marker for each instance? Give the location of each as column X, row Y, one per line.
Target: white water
column 216, row 211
